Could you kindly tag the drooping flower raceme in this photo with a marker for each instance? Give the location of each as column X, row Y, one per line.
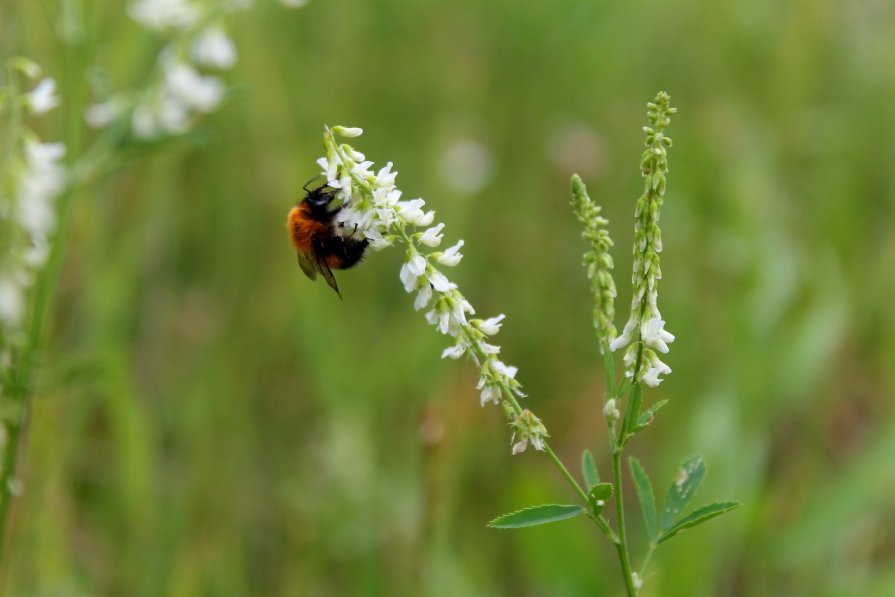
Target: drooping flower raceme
column 644, row 334
column 372, row 207
column 597, row 260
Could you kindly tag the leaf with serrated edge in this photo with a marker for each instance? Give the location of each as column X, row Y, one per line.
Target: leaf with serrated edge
column 689, row 476
column 535, row 515
column 589, row 469
column 647, row 499
column 696, row 517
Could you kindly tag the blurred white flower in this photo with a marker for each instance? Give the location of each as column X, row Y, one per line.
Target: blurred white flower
column 164, row 14
column 213, row 47
column 575, row 147
column 102, row 114
column 192, row 89
column 43, row 98
column 41, row 181
column 295, row 4
column 12, row 303
column 466, row 166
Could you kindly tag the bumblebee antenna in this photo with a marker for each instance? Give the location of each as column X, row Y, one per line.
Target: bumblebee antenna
column 312, row 179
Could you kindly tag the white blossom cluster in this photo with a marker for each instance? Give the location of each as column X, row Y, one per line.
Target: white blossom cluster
column 372, row 208
column 181, row 91
column 31, row 179
column 644, row 334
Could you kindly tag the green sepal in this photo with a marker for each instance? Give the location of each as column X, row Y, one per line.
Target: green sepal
column 646, row 497
column 598, row 495
column 696, row 517
column 535, row 515
column 589, row 469
column 681, row 490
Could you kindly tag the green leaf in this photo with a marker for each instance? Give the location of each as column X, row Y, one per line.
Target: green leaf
column 689, row 477
column 697, row 517
column 529, row 517
column 589, row 469
column 647, row 499
column 647, row 417
column 598, row 495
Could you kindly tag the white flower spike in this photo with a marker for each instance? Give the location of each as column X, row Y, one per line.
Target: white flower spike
column 373, row 209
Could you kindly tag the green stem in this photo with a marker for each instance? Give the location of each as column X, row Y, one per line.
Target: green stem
column 622, row 546
column 565, row 472
column 598, row 519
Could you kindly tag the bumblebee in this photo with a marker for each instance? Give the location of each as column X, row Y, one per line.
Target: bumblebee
column 318, row 241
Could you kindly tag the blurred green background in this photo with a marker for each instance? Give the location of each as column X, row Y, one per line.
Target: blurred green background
column 210, row 422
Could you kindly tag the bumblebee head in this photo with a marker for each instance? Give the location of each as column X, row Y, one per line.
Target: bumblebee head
column 321, row 197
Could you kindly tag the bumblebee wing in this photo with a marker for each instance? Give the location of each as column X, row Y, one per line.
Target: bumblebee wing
column 308, row 265
column 324, row 269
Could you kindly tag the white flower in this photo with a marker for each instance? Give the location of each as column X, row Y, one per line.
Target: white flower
column 520, row 446
column 454, row 352
column 408, row 278
column 528, row 428
column 294, row 3
column 439, row 281
column 43, row 98
column 625, row 338
column 432, row 236
column 213, row 47
column 451, row 256
column 490, row 326
column 426, row 219
column 104, row 113
column 164, row 14
column 192, row 89
column 41, row 182
column 489, row 349
column 423, row 297
column 466, row 165
column 504, row 371
column 144, row 122
column 489, row 393
column 440, row 317
column 329, row 167
column 12, row 303
column 651, row 377
column 410, row 210
column 385, row 178
column 655, row 336
column 348, row 131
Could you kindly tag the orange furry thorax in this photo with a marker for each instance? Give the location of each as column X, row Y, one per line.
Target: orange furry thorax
column 303, row 228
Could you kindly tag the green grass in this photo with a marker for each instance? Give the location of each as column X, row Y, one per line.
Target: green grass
column 209, row 422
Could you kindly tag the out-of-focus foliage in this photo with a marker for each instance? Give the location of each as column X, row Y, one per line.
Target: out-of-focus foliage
column 210, row 422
